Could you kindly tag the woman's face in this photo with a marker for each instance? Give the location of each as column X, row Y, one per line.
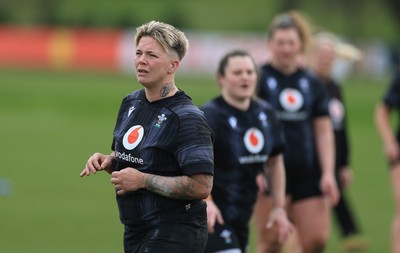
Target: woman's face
column 324, row 58
column 152, row 63
column 240, row 79
column 285, row 46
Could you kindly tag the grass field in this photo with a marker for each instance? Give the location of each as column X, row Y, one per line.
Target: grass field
column 51, row 122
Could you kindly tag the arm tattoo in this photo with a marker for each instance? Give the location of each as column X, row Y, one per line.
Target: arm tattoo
column 182, row 187
column 166, row 89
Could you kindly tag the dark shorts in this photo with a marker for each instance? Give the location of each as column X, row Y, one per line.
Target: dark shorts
column 303, row 186
column 180, row 231
column 227, row 239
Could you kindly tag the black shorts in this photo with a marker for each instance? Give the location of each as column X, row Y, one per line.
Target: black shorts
column 180, row 231
column 227, row 239
column 303, row 185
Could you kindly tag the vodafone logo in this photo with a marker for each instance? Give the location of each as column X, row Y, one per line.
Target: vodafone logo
column 291, row 99
column 336, row 110
column 253, row 140
column 133, row 137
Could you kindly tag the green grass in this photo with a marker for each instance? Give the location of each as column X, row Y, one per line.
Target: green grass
column 51, row 122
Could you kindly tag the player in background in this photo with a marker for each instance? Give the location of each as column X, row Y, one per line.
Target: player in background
column 324, row 51
column 301, row 103
column 248, row 141
column 391, row 139
column 162, row 160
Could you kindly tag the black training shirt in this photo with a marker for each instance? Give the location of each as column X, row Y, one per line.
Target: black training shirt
column 337, row 113
column 243, row 142
column 392, row 98
column 298, row 99
column 168, row 137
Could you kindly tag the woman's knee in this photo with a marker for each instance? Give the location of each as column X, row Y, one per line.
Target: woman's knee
column 315, row 243
column 268, row 241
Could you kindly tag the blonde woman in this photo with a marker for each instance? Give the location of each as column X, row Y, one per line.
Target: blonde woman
column 162, row 160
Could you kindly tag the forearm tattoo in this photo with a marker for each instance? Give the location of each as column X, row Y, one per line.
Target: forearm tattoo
column 166, row 89
column 177, row 187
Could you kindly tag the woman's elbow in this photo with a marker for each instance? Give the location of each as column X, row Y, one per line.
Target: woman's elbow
column 204, row 185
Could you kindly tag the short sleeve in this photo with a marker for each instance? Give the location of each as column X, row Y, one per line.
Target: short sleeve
column 194, row 149
column 277, row 132
column 120, row 115
column 392, row 96
column 321, row 100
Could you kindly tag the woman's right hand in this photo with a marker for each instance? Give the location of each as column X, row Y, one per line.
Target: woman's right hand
column 213, row 215
column 98, row 162
column 392, row 151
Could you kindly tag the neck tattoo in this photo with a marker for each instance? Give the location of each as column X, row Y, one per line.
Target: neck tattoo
column 166, row 89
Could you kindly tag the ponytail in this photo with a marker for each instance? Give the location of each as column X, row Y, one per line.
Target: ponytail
column 298, row 21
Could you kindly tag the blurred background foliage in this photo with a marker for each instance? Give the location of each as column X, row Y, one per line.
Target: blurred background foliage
column 361, row 19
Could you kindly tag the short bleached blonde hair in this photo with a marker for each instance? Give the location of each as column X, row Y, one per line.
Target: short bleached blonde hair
column 167, row 35
column 342, row 49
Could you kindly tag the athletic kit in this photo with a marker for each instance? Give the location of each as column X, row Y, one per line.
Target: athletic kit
column 298, row 99
column 337, row 111
column 337, row 114
column 392, row 98
column 243, row 142
column 168, row 137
